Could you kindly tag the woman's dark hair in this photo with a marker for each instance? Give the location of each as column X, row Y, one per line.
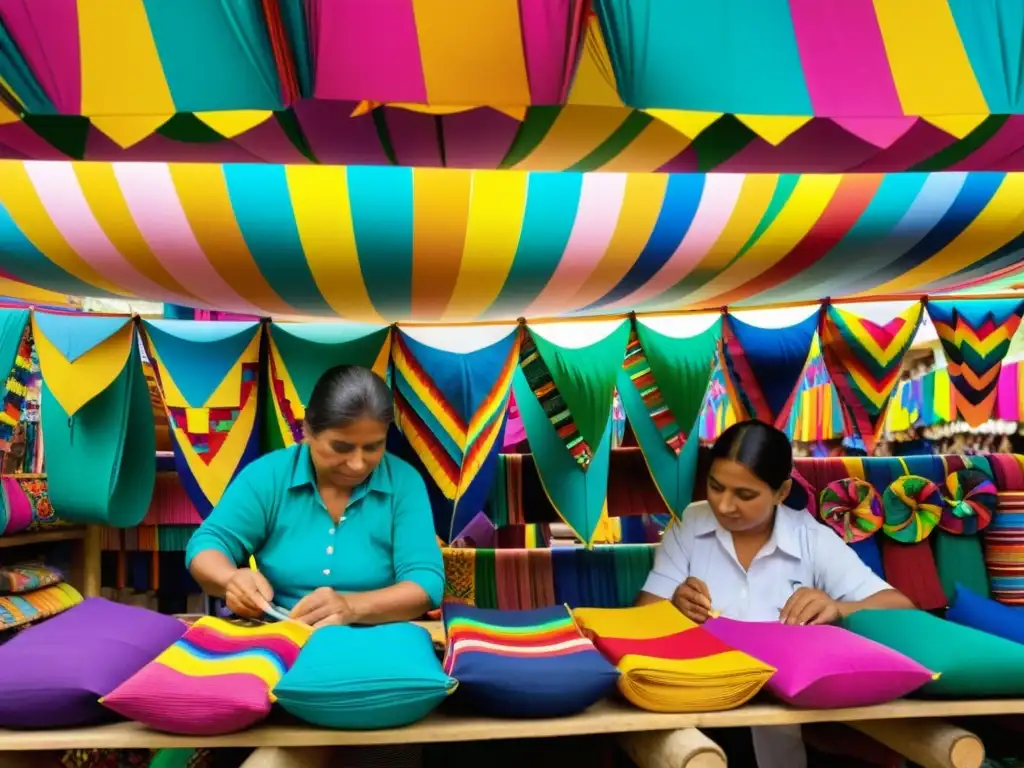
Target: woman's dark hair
column 346, row 393
column 760, row 447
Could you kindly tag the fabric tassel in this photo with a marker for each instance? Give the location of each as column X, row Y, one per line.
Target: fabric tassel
column 960, row 560
column 911, row 569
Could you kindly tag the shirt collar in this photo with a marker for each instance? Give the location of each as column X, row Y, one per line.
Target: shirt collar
column 784, row 535
column 303, row 474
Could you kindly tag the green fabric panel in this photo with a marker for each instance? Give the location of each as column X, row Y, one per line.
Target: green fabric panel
column 633, row 563
column 189, row 129
column 615, row 144
column 498, row 506
column 962, row 149
column 172, row 757
column 674, row 474
column 971, row 664
column 294, row 19
column 531, row 133
column 270, row 431
column 486, row 579
column 577, row 495
column 380, row 123
column 681, row 368
column 309, row 349
column 100, row 462
column 960, row 560
column 67, row 133
column 293, row 130
column 12, row 328
column 585, row 377
column 720, row 141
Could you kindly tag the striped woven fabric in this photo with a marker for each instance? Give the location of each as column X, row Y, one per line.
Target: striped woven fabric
column 17, row 610
column 638, row 368
column 1004, row 548
column 18, row 579
column 216, row 679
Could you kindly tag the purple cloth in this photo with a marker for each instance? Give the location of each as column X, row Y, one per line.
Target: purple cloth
column 55, row 673
column 479, row 533
column 823, row 667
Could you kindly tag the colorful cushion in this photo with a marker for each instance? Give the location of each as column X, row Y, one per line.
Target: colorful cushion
column 1004, row 549
column 823, row 667
column 668, row 663
column 16, row 579
column 973, row 610
column 54, row 673
column 853, row 508
column 524, row 663
column 970, row 502
column 970, row 663
column 217, row 678
column 16, row 610
column 361, row 678
column 913, row 506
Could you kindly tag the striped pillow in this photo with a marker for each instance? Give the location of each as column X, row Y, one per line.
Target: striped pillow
column 523, row 663
column 1004, row 548
column 216, row 679
column 18, row 610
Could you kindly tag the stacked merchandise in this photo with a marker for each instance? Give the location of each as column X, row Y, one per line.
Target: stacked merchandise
column 30, row 593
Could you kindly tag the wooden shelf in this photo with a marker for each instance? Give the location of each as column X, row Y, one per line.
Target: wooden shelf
column 605, row 717
column 71, row 533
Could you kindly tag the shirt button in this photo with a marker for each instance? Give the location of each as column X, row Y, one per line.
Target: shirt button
column 330, row 532
column 330, row 550
column 327, row 571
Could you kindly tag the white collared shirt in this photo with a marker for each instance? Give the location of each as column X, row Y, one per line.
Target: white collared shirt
column 800, row 553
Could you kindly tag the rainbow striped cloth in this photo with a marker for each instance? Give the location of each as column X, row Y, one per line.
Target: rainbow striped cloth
column 523, row 663
column 216, row 679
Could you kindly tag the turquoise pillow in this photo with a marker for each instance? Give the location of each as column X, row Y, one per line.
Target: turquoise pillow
column 363, row 678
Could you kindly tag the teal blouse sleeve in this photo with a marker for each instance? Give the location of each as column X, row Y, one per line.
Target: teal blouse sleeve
column 417, row 556
column 239, row 524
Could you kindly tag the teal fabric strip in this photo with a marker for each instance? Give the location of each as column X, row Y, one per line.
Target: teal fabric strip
column 18, row 75
column 991, row 36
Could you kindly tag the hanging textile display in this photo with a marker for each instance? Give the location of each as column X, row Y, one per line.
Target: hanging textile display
column 209, row 378
column 15, row 358
column 565, row 399
column 975, row 338
column 864, row 359
column 762, row 366
column 96, row 416
column 450, row 407
column 663, row 383
column 970, row 497
column 299, row 355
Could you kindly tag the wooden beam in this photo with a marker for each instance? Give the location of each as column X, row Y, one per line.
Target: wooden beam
column 683, row 748
column 929, row 743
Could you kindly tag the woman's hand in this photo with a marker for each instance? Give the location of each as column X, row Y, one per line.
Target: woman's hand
column 248, row 594
column 693, row 599
column 324, row 607
column 809, row 606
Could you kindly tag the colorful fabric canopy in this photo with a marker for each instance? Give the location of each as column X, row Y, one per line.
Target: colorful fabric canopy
column 420, row 244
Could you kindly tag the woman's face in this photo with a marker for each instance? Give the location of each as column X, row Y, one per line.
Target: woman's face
column 347, row 455
column 740, row 500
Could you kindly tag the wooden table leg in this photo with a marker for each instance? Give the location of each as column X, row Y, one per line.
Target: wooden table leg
column 289, row 757
column 92, row 561
column 929, row 743
column 684, row 748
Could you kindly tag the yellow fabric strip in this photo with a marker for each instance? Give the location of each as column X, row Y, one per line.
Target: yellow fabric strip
column 128, row 130
column 594, row 83
column 1000, row 221
column 234, row 122
column 103, row 194
column 203, row 193
column 472, row 52
column 803, row 209
column 228, row 393
column 323, row 216
column 930, row 68
column 956, row 125
column 689, row 123
column 7, row 115
column 656, row 145
column 641, row 206
column 440, row 213
column 25, row 292
column 18, row 196
column 496, row 206
column 577, row 132
column 774, row 129
column 121, row 70
column 642, row 623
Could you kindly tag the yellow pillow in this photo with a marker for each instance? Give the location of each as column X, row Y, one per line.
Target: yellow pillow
column 642, row 623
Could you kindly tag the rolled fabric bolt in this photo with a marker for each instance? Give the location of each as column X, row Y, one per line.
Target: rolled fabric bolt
column 683, row 748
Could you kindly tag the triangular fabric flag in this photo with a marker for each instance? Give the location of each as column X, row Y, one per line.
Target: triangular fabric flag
column 300, row 353
column 958, row 126
column 690, row 124
column 128, row 130
column 575, row 386
column 864, row 359
column 450, row 407
column 761, row 366
column 234, row 122
column 975, row 336
column 75, row 334
column 774, row 129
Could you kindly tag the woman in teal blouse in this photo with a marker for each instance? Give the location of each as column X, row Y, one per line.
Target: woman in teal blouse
column 342, row 532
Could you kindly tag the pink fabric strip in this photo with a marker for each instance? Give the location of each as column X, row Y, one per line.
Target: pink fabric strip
column 47, row 35
column 414, row 138
column 717, row 202
column 479, row 138
column 336, row 138
column 1008, row 394
column 596, row 218
column 547, row 27
column 845, row 66
column 62, row 197
column 19, row 508
column 366, row 50
column 26, row 144
column 153, row 201
column 268, row 142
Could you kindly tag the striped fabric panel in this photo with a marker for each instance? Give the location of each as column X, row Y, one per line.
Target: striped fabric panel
column 639, row 371
column 543, row 387
column 16, row 610
column 1004, row 549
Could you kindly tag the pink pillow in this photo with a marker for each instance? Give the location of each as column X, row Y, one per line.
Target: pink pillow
column 823, row 667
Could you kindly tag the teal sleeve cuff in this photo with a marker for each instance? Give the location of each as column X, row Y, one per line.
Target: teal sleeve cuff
column 430, row 581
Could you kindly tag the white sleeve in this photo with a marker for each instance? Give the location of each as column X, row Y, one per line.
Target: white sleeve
column 839, row 572
column 671, row 563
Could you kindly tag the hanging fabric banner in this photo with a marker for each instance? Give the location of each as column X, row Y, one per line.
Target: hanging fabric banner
column 975, row 337
column 15, row 360
column 95, row 413
column 450, row 407
column 299, row 355
column 564, row 396
column 209, row 378
column 663, row 384
column 762, row 366
column 864, row 360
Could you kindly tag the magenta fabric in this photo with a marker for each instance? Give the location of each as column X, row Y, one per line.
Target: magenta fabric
column 823, row 667
column 18, row 507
